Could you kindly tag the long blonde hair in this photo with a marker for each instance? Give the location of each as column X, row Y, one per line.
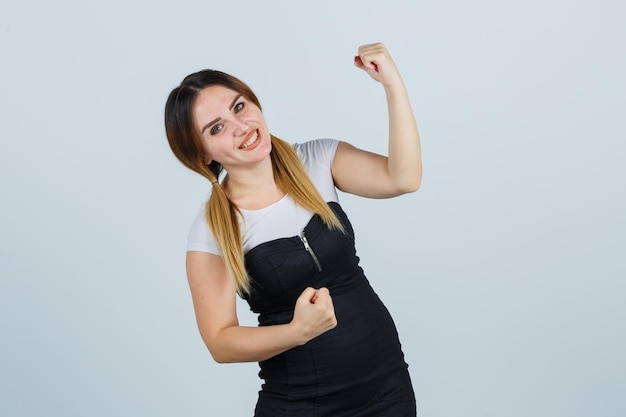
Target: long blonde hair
column 223, row 215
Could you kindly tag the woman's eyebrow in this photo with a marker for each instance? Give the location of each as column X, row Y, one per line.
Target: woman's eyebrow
column 206, row 126
column 234, row 101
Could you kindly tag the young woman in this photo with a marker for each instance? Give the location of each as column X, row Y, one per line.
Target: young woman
column 274, row 233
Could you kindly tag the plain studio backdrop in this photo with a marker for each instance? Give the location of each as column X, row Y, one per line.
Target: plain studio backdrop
column 505, row 273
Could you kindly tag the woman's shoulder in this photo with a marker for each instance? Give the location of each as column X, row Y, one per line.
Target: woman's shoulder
column 317, row 150
column 317, row 157
column 200, row 238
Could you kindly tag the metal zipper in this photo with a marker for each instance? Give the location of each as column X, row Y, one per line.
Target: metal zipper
column 310, row 250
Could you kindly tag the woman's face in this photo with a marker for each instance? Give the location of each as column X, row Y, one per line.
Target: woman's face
column 233, row 129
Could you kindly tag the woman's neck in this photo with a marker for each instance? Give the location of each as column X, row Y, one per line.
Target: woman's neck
column 253, row 188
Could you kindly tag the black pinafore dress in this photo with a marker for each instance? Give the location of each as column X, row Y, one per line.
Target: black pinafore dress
column 356, row 369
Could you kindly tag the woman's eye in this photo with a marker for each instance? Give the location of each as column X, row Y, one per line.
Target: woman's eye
column 238, row 107
column 216, row 129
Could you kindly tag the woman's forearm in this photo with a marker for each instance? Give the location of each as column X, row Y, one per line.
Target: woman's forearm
column 314, row 314
column 404, row 157
column 253, row 344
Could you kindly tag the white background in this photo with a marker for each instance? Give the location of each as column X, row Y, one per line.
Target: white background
column 505, row 273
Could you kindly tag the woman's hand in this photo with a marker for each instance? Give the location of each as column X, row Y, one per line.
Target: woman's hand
column 376, row 61
column 314, row 313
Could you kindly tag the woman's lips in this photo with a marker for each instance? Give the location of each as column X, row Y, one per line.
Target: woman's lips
column 250, row 140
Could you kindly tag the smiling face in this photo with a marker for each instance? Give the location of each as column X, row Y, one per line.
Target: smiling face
column 231, row 127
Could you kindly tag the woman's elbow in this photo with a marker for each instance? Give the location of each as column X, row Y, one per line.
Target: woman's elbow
column 412, row 188
column 410, row 183
column 218, row 355
column 219, row 359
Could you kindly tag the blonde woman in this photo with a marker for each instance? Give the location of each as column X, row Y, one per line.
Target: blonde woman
column 273, row 232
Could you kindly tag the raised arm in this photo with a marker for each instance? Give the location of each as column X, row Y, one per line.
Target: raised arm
column 371, row 175
column 214, row 303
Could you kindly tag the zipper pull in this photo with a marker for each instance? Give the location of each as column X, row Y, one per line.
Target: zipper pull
column 308, row 248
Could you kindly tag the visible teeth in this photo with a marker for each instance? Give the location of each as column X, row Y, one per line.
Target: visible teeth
column 250, row 141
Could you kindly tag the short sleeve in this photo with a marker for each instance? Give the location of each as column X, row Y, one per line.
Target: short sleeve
column 200, row 237
column 317, row 157
column 321, row 151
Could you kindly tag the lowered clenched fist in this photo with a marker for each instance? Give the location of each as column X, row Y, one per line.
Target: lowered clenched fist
column 314, row 314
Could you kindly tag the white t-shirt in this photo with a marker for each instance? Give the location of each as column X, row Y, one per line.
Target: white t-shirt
column 284, row 218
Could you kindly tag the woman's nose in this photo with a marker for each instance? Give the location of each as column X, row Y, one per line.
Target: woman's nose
column 240, row 128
